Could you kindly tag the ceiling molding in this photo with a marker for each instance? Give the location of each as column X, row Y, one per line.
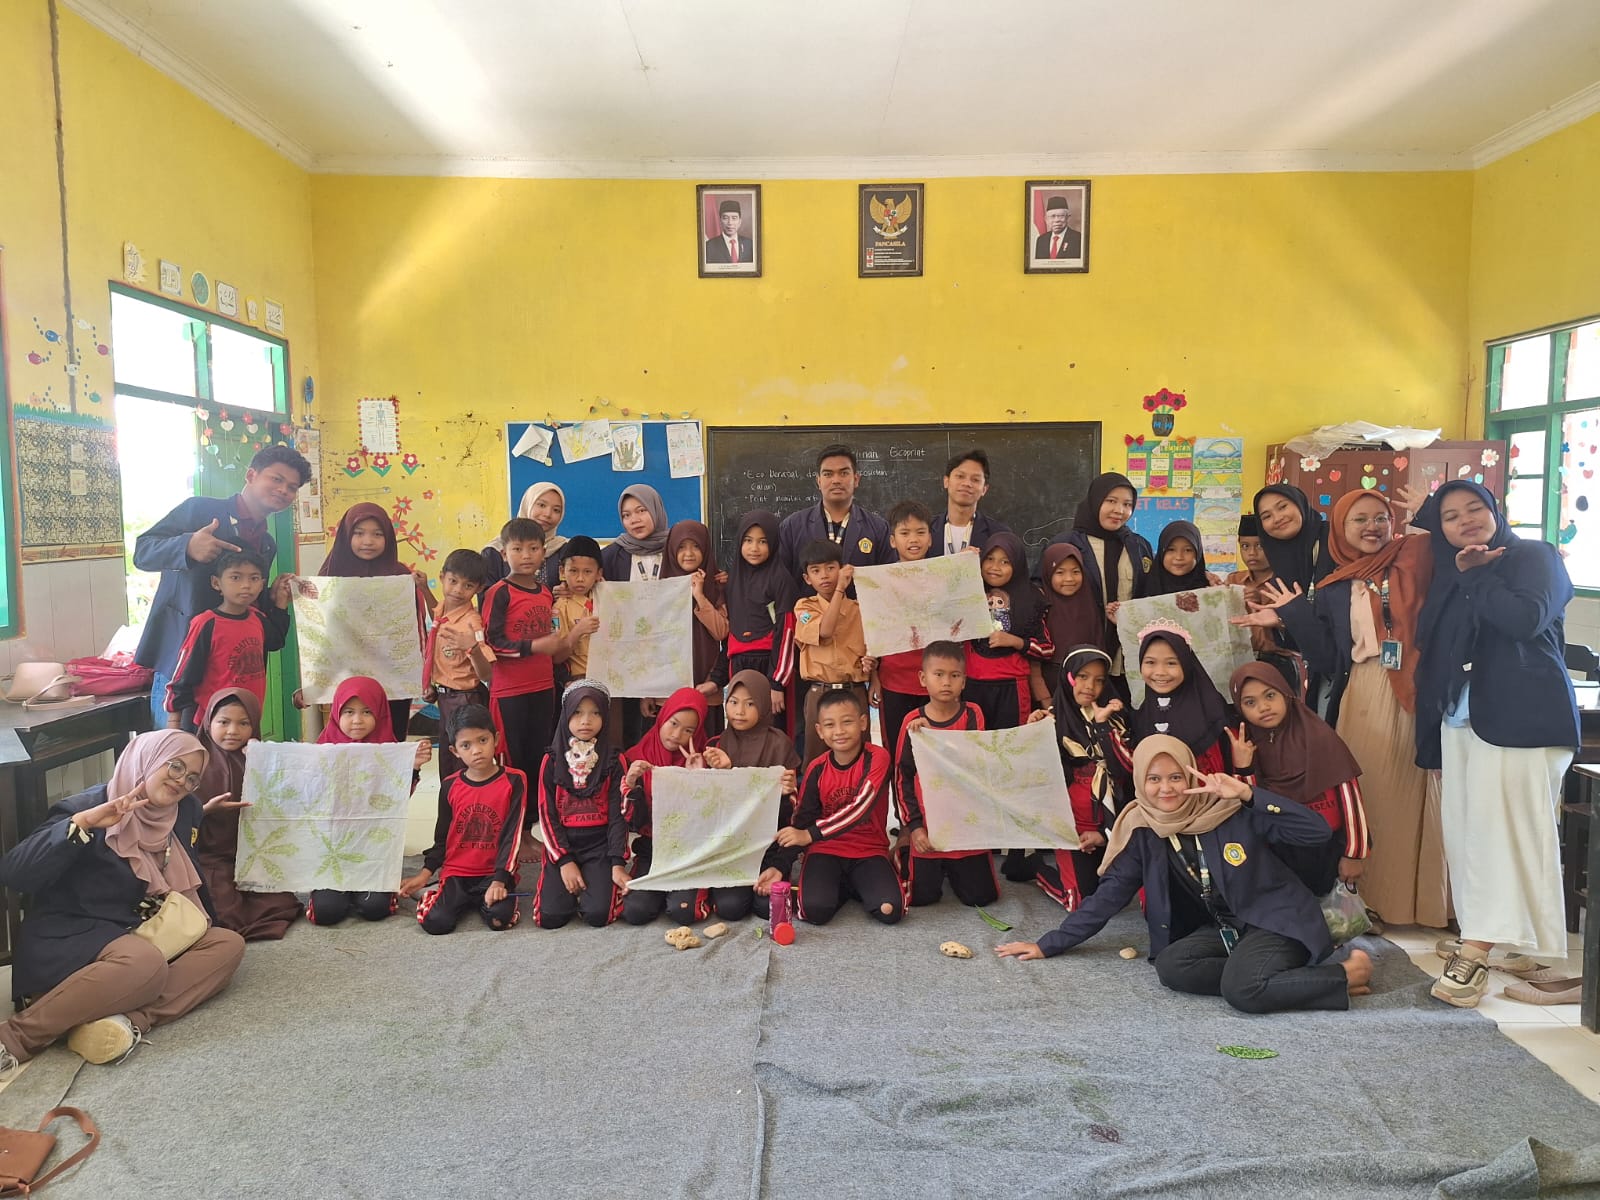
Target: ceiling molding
column 191, row 76
column 1541, row 125
column 1049, row 166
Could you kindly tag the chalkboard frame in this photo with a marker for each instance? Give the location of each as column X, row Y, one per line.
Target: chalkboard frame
column 852, row 434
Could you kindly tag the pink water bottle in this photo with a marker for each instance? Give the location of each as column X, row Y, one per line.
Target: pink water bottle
column 782, row 914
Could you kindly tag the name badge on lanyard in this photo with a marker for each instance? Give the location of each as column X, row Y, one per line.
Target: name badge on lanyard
column 1389, row 652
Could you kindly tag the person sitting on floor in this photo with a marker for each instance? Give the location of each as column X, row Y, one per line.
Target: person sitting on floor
column 476, row 837
column 580, row 815
column 229, row 723
column 675, row 740
column 360, row 712
column 101, row 863
column 1226, row 916
column 841, row 819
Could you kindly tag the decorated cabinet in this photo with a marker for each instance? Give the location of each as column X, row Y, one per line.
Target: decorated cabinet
column 1357, row 468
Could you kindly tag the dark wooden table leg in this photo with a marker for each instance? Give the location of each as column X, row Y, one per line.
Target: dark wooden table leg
column 1591, row 928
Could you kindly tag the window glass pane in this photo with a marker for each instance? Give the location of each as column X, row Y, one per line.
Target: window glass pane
column 152, row 346
column 1527, row 453
column 1525, row 501
column 241, row 370
column 1525, row 375
column 156, row 448
column 1578, row 527
column 1583, row 363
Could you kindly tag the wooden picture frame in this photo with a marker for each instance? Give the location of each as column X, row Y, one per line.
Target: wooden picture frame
column 1053, row 244
column 728, row 230
column 890, row 221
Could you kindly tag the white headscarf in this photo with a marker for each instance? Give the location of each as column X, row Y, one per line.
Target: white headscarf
column 553, row 541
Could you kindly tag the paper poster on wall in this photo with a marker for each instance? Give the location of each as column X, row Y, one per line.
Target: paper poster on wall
column 1221, row 648
column 685, row 457
column 227, row 299
column 983, row 788
column 379, row 422
column 323, row 816
column 1181, row 481
column 170, row 278
column 1218, row 464
column 274, row 312
column 710, row 828
column 1217, row 518
column 585, row 440
column 627, row 446
column 1138, row 464
column 308, row 503
column 535, row 444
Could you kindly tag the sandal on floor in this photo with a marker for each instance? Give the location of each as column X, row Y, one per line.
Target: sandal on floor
column 1463, row 983
column 1553, row 991
column 1508, row 961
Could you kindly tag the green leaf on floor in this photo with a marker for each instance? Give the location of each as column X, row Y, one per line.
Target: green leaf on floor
column 1247, row 1052
column 994, row 922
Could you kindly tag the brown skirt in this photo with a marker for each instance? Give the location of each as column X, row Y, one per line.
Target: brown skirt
column 1405, row 881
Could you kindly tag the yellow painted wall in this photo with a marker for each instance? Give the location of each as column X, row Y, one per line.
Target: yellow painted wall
column 1535, row 242
column 1277, row 302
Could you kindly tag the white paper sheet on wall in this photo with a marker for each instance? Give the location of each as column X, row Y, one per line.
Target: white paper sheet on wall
column 685, row 455
column 585, row 440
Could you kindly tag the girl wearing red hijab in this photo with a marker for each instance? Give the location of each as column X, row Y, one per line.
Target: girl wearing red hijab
column 360, row 713
column 365, row 547
column 677, row 739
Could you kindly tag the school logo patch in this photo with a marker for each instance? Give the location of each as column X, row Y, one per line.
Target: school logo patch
column 1234, row 853
column 194, row 835
column 864, row 545
column 806, row 616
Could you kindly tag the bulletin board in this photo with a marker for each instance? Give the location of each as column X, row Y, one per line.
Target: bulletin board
column 593, row 487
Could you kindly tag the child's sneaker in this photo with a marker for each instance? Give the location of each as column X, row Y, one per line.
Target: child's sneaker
column 1463, row 983
column 110, row 1039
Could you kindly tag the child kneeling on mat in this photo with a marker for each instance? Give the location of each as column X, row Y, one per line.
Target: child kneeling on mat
column 580, row 815
column 1226, row 916
column 841, row 819
column 476, row 837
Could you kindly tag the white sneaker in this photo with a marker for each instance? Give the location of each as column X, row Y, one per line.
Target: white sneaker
column 1463, row 983
column 1508, row 961
column 110, row 1039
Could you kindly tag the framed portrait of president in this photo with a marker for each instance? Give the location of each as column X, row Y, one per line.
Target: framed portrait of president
column 728, row 229
column 1056, row 230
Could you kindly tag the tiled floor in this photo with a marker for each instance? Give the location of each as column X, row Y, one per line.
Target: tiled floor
column 1551, row 1034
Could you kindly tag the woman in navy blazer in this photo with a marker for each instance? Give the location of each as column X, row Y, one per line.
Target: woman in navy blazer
column 1226, row 916
column 93, row 872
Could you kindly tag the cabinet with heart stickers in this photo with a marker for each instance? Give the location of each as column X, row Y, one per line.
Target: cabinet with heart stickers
column 1355, row 468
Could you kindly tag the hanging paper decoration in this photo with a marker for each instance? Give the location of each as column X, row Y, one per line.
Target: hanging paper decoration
column 1164, row 407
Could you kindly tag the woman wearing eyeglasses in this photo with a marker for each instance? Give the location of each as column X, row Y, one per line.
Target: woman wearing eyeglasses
column 99, row 866
column 1360, row 632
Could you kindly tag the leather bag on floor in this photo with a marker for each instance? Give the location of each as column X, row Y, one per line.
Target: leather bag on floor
column 23, row 1152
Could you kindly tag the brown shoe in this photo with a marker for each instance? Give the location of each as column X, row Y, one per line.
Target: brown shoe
column 1463, row 983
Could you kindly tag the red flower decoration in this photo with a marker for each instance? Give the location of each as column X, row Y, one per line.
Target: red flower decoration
column 410, row 460
column 380, row 461
column 352, row 463
column 427, row 495
column 1165, row 399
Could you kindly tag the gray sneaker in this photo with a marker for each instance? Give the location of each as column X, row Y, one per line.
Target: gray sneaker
column 1463, row 983
column 110, row 1039
column 1509, row 961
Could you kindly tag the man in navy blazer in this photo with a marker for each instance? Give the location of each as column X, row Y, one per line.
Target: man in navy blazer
column 720, row 249
column 862, row 535
column 187, row 539
column 961, row 526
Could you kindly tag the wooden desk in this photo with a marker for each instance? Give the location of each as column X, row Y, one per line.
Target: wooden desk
column 33, row 741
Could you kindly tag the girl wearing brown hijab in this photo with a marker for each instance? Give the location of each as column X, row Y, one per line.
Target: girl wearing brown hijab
column 689, row 552
column 751, row 741
column 99, row 865
column 1292, row 751
column 230, row 721
column 1360, row 632
column 1226, row 916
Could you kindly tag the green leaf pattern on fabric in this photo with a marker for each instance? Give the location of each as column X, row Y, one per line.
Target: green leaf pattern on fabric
column 904, row 606
column 988, row 788
column 643, row 646
column 711, row 828
column 359, row 627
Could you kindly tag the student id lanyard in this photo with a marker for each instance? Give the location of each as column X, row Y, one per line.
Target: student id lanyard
column 1389, row 655
column 1230, row 936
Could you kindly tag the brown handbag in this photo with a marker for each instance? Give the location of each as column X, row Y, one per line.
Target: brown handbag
column 24, row 1151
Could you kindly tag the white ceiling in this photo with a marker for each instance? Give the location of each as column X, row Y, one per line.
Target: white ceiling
column 818, row 88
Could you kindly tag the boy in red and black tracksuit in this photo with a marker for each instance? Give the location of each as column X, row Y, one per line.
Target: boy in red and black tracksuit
column 580, row 815
column 227, row 646
column 841, row 819
column 475, row 840
column 970, row 872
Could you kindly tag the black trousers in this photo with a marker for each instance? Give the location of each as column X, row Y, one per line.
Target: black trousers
column 892, row 714
column 1004, row 702
column 528, row 722
column 597, row 903
column 687, row 907
column 441, row 909
column 827, row 881
column 399, row 717
column 329, row 907
column 1317, row 866
column 1265, row 973
column 971, row 878
column 449, row 703
column 1069, row 876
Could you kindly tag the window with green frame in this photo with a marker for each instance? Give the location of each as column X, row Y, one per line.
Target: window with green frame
column 189, row 385
column 1544, row 400
column 10, row 529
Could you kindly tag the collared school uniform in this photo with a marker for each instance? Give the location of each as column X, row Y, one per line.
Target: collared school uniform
column 864, row 540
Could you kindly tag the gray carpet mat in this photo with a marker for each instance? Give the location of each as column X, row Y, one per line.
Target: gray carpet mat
column 375, row 1061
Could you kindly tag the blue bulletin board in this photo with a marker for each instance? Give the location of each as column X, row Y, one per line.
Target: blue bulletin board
column 593, row 488
column 1152, row 514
